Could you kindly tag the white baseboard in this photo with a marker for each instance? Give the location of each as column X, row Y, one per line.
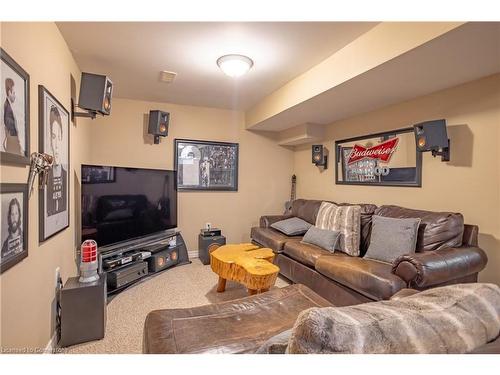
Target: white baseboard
column 51, row 345
column 193, row 254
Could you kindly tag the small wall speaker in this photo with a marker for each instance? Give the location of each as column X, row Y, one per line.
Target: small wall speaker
column 95, row 93
column 432, row 136
column 158, row 124
column 318, row 156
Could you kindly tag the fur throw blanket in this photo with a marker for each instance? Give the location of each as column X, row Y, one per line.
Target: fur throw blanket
column 450, row 319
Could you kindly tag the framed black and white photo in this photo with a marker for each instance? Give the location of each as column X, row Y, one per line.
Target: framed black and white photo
column 13, row 224
column 14, row 112
column 53, row 140
column 206, row 165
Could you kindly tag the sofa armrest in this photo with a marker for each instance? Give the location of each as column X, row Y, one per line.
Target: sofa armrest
column 267, row 221
column 422, row 270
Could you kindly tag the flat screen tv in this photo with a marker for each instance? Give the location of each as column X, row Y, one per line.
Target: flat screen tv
column 120, row 204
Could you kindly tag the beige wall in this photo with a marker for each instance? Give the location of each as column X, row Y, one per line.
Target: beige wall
column 265, row 169
column 469, row 184
column 27, row 289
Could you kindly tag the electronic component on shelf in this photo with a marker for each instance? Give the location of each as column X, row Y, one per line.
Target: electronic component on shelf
column 211, row 232
column 120, row 260
column 145, row 254
column 126, row 275
column 163, row 259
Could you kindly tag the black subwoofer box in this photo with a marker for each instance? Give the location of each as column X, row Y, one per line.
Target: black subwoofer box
column 208, row 244
column 83, row 311
column 163, row 259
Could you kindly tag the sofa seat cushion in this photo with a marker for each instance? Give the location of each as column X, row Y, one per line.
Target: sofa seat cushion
column 306, row 253
column 369, row 277
column 271, row 238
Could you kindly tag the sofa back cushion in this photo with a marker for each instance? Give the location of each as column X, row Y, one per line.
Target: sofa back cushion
column 306, row 209
column 451, row 319
column 437, row 230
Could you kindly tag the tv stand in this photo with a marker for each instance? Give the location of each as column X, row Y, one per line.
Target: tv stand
column 124, row 263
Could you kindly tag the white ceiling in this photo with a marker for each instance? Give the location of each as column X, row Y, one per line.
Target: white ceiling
column 132, row 54
column 464, row 54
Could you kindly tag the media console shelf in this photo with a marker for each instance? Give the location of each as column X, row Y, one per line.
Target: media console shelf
column 125, row 263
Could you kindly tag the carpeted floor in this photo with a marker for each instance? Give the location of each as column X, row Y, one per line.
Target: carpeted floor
column 185, row 286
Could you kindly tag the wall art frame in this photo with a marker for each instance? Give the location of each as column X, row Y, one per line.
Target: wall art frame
column 206, row 165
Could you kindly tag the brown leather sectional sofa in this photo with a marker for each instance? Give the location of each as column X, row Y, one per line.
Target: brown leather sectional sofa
column 446, row 253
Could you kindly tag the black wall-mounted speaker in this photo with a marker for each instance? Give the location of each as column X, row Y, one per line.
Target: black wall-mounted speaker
column 318, row 155
column 158, row 124
column 96, row 92
column 432, row 136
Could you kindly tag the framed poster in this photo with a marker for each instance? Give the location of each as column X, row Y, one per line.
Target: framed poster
column 14, row 112
column 54, row 140
column 206, row 165
column 384, row 159
column 13, row 224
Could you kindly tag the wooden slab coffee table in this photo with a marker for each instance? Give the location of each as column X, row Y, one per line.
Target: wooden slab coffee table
column 246, row 264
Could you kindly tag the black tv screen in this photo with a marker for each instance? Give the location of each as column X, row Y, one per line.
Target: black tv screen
column 120, row 203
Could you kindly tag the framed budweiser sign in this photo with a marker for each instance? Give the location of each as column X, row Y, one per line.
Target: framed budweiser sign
column 386, row 159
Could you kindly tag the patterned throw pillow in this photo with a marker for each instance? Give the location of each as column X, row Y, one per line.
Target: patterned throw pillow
column 344, row 219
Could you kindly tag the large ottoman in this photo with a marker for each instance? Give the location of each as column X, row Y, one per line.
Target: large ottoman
column 239, row 326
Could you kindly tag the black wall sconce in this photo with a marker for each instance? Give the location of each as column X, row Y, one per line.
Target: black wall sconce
column 319, row 157
column 432, row 136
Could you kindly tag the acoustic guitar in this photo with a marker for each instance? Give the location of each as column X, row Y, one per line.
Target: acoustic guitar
column 288, row 205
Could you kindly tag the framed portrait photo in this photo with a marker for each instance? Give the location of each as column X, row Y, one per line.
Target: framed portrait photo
column 53, row 140
column 206, row 165
column 13, row 224
column 14, row 112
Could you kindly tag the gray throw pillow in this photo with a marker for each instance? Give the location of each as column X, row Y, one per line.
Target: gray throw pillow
column 324, row 238
column 392, row 237
column 292, row 227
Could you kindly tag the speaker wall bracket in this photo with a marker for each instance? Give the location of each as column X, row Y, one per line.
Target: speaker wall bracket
column 444, row 153
column 323, row 163
column 87, row 114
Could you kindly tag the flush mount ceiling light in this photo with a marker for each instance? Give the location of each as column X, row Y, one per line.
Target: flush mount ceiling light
column 234, row 65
